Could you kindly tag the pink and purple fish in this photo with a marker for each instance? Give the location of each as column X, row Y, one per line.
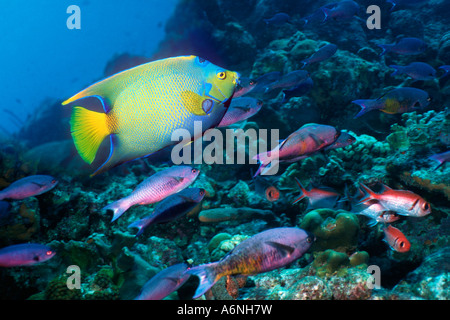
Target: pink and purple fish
column 441, row 158
column 323, row 53
column 405, row 46
column 164, row 283
column 171, row 208
column 265, row 251
column 240, row 109
column 416, row 71
column 155, row 188
column 25, row 254
column 28, row 187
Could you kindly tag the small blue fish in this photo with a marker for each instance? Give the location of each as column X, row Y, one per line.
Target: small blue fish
column 405, row 46
column 405, row 3
column 263, row 81
column 245, row 86
column 343, row 10
column 25, row 254
column 171, row 208
column 323, row 53
column 415, row 70
column 164, row 283
column 278, row 19
column 446, row 68
column 289, row 80
column 300, row 90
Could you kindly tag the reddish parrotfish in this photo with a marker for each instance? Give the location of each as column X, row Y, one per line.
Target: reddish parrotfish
column 441, row 158
column 323, row 53
column 144, row 105
column 245, row 86
column 343, row 10
column 402, row 202
column 396, row 239
column 155, row 188
column 171, row 208
column 398, row 100
column 415, row 70
column 25, row 254
column 28, row 187
column 289, row 80
column 318, row 197
column 405, row 46
column 164, row 283
column 265, row 251
column 304, row 142
column 240, row 109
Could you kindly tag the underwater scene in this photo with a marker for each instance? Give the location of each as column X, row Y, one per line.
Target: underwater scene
column 251, row 150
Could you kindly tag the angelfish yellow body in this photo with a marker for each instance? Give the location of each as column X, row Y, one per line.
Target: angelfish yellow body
column 145, row 104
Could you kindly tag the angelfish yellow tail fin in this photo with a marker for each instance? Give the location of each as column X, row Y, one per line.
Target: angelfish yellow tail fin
column 89, row 129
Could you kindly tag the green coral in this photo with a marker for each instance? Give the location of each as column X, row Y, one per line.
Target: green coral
column 330, row 261
column 336, row 230
column 57, row 290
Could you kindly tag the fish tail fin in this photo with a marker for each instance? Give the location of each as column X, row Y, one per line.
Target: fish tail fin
column 89, row 129
column 386, row 48
column 326, row 12
column 367, row 194
column 398, row 70
column 303, row 192
column 207, row 275
column 140, row 225
column 366, row 106
column 118, row 208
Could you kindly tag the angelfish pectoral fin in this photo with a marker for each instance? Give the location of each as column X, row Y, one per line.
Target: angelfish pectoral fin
column 196, row 104
column 287, row 250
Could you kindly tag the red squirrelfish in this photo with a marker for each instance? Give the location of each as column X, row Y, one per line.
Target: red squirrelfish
column 318, row 198
column 171, row 208
column 396, row 239
column 25, row 254
column 306, row 141
column 402, row 202
column 164, row 283
column 265, row 251
column 28, row 187
column 155, row 188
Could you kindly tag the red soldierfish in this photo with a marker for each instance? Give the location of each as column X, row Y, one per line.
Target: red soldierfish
column 304, row 142
column 318, row 198
column 265, row 251
column 396, row 239
column 402, row 202
column 28, row 187
column 155, row 188
column 164, row 283
column 25, row 254
column 171, row 208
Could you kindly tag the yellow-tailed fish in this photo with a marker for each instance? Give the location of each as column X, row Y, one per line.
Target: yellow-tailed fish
column 144, row 105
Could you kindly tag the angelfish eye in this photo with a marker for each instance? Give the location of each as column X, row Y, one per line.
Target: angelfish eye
column 221, row 75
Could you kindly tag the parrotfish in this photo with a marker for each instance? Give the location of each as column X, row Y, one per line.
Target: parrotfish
column 155, row 188
column 396, row 239
column 441, row 158
column 343, row 10
column 245, row 86
column 398, row 100
column 306, row 141
column 405, row 46
column 240, row 109
column 298, row 91
column 171, row 208
column 415, row 70
column 323, row 53
column 25, row 254
column 402, row 202
column 144, row 105
column 289, row 80
column 265, row 251
column 278, row 19
column 164, row 283
column 28, row 187
column 318, row 197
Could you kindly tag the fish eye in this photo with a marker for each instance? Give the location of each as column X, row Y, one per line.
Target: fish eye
column 221, row 75
column 252, row 82
column 309, row 240
column 53, row 181
column 49, row 253
column 402, row 244
column 426, row 206
column 194, row 170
